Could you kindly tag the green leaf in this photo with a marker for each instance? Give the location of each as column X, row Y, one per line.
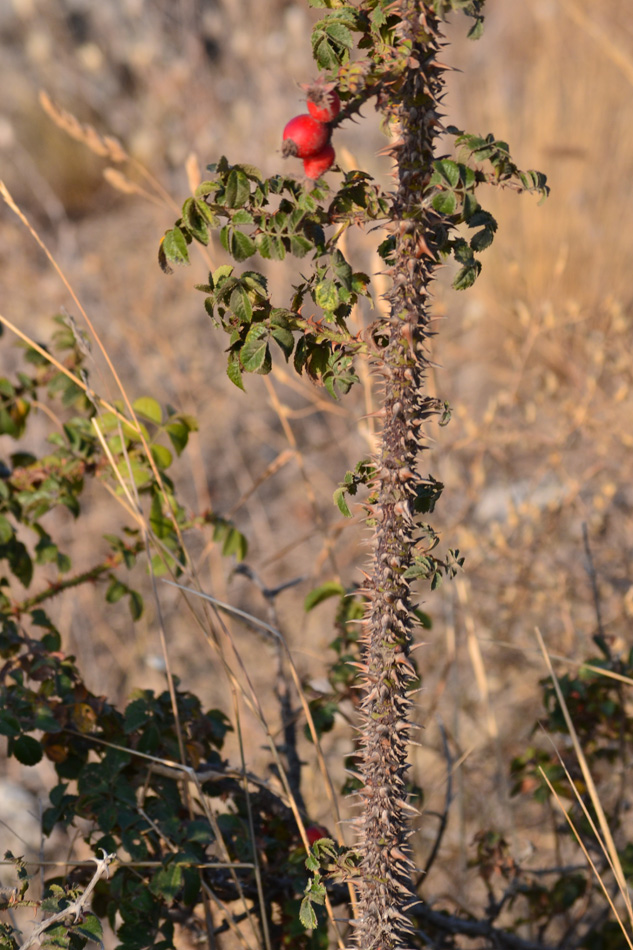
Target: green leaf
column 241, row 245
column 238, row 189
column 90, row 928
column 467, row 276
column 234, row 370
column 331, row 43
column 270, row 247
column 241, row 306
column 284, row 339
column 161, row 455
column 115, row 591
column 178, row 433
column 136, row 605
column 446, row 172
column 324, row 592
column 174, row 245
column 477, row 29
column 166, row 882
column 307, row 915
column 482, row 239
column 6, row 531
column 341, row 502
column 235, row 543
column 255, row 354
column 445, row 202
column 300, row 246
column 220, row 275
column 195, row 221
column 26, row 750
column 326, row 295
column 148, row 408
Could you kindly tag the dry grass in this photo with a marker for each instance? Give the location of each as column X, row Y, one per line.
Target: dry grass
column 535, row 359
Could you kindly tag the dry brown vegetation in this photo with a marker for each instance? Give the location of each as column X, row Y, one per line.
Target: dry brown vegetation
column 535, row 359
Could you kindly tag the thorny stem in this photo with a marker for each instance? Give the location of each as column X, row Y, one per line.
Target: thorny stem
column 385, row 888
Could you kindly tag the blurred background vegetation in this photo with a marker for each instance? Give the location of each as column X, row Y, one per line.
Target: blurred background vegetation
column 535, row 361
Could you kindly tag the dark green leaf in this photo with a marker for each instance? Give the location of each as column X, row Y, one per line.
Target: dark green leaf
column 319, row 594
column 254, row 354
column 237, row 189
column 241, row 246
column 27, row 750
column 194, row 221
column 467, row 276
column 482, row 239
column 241, row 305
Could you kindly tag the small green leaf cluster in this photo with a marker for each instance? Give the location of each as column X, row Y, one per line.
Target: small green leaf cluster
column 240, row 303
column 337, row 863
column 452, row 193
column 364, row 474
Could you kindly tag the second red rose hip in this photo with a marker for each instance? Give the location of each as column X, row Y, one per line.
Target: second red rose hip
column 304, row 136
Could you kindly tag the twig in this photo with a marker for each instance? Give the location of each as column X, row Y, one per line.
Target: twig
column 78, row 906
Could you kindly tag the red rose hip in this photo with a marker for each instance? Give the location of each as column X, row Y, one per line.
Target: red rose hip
column 323, row 103
column 304, row 137
column 318, row 164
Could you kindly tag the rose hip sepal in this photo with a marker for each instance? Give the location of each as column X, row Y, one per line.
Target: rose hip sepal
column 304, row 136
column 318, row 164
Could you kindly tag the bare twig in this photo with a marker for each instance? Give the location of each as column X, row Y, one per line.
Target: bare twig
column 78, row 907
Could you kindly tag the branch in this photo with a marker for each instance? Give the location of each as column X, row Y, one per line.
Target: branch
column 77, row 907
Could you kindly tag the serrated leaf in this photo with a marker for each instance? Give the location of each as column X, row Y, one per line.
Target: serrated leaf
column 326, row 295
column 467, row 276
column 307, row 915
column 174, row 245
column 194, row 221
column 241, row 305
column 148, row 408
column 324, row 592
column 482, row 239
column 253, row 353
column 221, row 274
column 445, row 202
column 237, row 190
column 299, row 245
column 241, row 246
column 234, row 371
column 242, row 217
column 271, row 248
column 447, row 172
